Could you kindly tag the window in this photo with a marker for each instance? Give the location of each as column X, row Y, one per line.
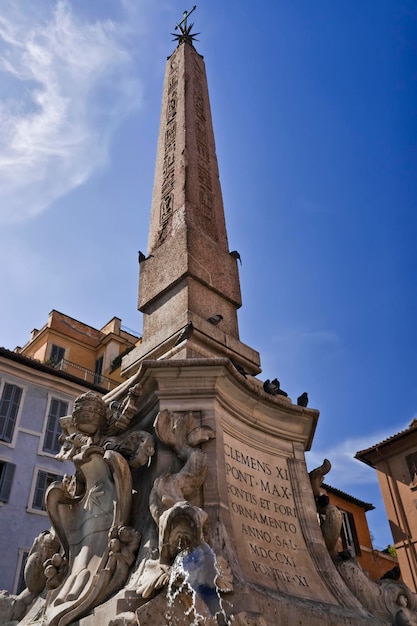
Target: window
column 43, row 480
column 98, row 371
column 6, row 478
column 9, row 407
column 411, row 460
column 348, row 534
column 57, row 409
column 21, row 584
column 57, row 354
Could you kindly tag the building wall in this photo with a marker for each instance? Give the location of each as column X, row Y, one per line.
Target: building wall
column 400, row 499
column 74, row 351
column 395, row 461
column 359, row 514
column 373, row 562
column 21, row 522
column 82, row 343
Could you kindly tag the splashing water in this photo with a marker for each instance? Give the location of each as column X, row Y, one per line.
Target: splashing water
column 196, row 570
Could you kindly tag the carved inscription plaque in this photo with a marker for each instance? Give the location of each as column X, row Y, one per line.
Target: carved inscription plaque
column 271, row 548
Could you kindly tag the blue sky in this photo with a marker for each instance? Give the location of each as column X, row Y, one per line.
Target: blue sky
column 314, row 110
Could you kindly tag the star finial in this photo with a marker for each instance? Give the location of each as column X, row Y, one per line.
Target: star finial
column 185, row 34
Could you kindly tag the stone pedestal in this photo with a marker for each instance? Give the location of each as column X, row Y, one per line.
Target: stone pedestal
column 257, row 495
column 211, row 518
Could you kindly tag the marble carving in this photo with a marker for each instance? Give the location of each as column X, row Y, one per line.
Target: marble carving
column 98, row 544
column 91, row 548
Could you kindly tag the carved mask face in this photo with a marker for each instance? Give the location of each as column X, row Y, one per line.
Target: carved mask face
column 86, row 422
column 182, row 536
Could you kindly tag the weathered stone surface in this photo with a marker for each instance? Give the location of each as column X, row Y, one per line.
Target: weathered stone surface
column 190, row 504
column 189, row 272
column 226, row 512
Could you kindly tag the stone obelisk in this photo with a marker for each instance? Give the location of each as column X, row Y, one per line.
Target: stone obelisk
column 256, row 490
column 188, row 275
column 191, row 504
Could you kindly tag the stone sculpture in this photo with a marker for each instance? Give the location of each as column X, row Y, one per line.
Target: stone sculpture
column 186, row 562
column 385, row 599
column 90, row 512
column 165, row 558
column 145, row 518
column 405, row 616
column 90, row 550
column 388, row 600
column 43, row 548
column 330, row 517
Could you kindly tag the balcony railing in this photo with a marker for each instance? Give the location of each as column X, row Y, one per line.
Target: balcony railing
column 85, row 374
column 130, row 331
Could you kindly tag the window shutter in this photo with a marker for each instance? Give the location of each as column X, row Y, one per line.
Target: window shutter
column 43, row 480
column 6, row 480
column 354, row 533
column 411, row 460
column 38, row 502
column 57, row 409
column 21, row 584
column 349, row 535
column 98, row 371
column 9, row 407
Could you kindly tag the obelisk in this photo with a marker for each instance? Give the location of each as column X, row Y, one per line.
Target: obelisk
column 188, row 275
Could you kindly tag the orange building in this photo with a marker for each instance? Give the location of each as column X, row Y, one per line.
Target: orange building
column 38, row 385
column 355, row 535
column 395, row 462
column 81, row 350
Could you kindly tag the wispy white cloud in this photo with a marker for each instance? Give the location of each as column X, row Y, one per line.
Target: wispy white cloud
column 68, row 82
column 346, row 470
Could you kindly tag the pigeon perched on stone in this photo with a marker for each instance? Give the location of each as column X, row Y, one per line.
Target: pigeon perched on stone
column 269, row 388
column 273, row 387
column 235, row 254
column 303, row 399
column 392, row 574
column 215, row 319
column 323, row 500
column 142, row 257
column 239, row 368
